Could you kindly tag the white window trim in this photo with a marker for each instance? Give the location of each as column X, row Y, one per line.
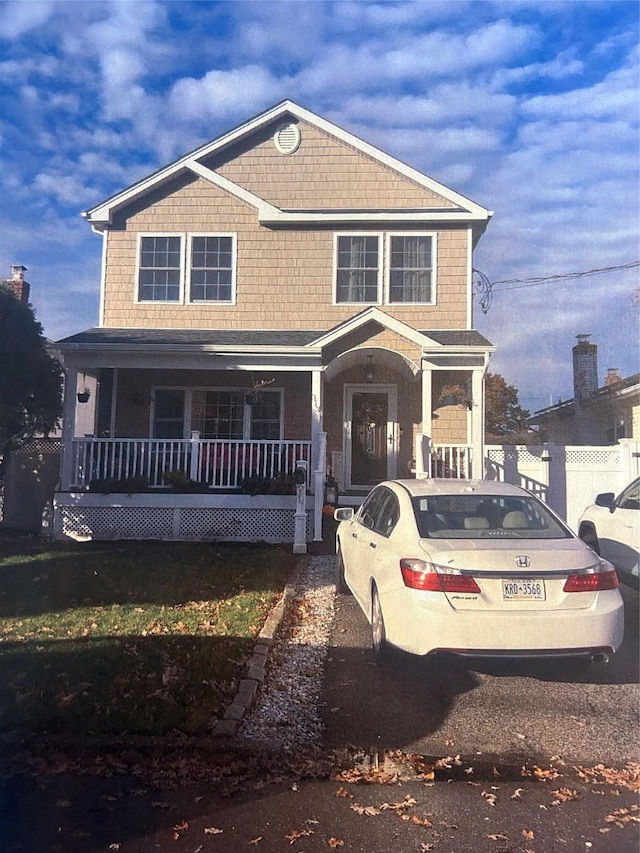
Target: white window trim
column 136, row 285
column 379, row 237
column 185, row 268
column 234, row 264
column 387, row 265
column 188, row 408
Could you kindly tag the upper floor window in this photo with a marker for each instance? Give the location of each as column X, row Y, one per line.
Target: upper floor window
column 207, row 276
column 211, row 269
column 410, row 268
column 358, row 268
column 406, row 266
column 160, row 269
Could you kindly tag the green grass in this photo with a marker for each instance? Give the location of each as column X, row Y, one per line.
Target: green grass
column 128, row 637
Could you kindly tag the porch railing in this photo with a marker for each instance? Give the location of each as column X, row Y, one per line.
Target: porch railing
column 446, row 460
column 221, row 464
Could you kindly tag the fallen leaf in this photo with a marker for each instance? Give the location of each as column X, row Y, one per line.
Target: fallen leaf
column 516, row 794
column 425, row 846
column 63, row 804
column 335, row 842
column 620, row 817
column 256, row 841
column 498, row 837
column 295, row 834
column 342, row 792
column 366, row 810
column 212, row 830
column 420, row 821
column 564, row 795
column 490, row 798
column 528, row 833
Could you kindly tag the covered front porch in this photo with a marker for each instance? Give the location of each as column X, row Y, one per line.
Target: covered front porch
column 185, row 427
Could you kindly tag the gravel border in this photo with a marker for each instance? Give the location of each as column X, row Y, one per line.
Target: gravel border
column 277, row 702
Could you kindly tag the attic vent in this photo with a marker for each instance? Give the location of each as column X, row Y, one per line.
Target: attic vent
column 287, row 138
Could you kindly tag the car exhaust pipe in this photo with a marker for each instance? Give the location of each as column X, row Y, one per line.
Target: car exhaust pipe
column 600, row 659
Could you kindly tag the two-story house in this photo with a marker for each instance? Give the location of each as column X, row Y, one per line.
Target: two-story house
column 284, row 293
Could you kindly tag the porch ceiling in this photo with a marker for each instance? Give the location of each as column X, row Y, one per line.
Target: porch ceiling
column 381, row 358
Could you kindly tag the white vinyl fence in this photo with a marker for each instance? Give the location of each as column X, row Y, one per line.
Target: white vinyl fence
column 566, row 478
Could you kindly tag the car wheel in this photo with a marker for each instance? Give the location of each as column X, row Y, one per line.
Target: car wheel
column 378, row 632
column 341, row 584
column 589, row 536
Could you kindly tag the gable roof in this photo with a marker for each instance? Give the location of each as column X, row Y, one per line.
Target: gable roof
column 463, row 209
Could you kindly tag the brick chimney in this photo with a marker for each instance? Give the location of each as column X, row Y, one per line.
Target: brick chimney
column 585, row 369
column 17, row 285
column 612, row 377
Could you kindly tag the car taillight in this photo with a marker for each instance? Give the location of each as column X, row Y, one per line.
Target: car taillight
column 418, row 574
column 604, row 576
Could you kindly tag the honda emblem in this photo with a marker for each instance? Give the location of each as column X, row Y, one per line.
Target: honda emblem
column 523, row 562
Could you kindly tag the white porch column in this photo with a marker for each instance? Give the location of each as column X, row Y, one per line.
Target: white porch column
column 427, row 392
column 318, row 472
column 316, row 423
column 477, row 423
column 68, row 428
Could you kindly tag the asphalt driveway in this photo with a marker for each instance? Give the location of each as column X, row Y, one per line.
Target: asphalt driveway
column 514, row 711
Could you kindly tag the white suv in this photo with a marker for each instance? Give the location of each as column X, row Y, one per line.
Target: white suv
column 611, row 527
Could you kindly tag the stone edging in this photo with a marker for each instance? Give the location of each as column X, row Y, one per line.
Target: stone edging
column 257, row 664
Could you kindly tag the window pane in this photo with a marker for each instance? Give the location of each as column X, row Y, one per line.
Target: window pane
column 265, row 416
column 410, row 269
column 211, row 269
column 357, row 273
column 168, row 414
column 159, row 274
column 218, row 414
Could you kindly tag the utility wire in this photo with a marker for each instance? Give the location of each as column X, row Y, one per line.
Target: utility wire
column 485, row 288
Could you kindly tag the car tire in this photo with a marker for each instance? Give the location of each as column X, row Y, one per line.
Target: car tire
column 378, row 631
column 589, row 536
column 341, row 584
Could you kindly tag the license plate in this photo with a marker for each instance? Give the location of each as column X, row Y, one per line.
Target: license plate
column 523, row 589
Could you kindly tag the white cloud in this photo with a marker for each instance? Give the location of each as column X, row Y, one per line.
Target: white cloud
column 18, row 17
column 216, row 94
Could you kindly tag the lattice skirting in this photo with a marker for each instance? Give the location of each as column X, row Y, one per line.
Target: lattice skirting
column 274, row 524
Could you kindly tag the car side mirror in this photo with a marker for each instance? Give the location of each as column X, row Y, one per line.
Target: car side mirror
column 606, row 499
column 343, row 514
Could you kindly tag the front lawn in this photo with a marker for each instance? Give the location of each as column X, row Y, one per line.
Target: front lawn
column 128, row 637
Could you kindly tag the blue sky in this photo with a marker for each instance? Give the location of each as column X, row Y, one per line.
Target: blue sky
column 529, row 108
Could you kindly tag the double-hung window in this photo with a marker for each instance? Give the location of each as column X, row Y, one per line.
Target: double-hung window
column 187, row 268
column 160, row 272
column 358, row 268
column 410, row 268
column 406, row 266
column 217, row 413
column 211, row 268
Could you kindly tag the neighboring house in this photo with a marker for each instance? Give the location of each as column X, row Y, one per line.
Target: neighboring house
column 597, row 415
column 284, row 293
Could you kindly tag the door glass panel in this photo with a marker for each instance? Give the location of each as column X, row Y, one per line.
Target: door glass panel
column 369, row 438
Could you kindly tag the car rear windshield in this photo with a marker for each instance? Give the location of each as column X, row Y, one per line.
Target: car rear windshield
column 476, row 516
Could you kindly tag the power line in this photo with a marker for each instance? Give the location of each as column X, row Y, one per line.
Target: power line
column 485, row 288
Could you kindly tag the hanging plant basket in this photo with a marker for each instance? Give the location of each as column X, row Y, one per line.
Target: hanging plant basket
column 83, row 396
column 454, row 395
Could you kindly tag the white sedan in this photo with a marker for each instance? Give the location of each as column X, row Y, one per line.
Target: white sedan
column 611, row 526
column 476, row 568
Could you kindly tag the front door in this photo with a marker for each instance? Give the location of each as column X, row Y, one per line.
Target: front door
column 370, row 434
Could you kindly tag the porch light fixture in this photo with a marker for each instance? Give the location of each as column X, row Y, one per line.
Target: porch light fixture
column 368, row 374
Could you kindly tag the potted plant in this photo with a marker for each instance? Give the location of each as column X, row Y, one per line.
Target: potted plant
column 454, row 395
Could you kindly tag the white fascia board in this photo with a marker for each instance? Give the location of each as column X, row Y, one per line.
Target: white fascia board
column 372, row 314
column 265, row 210
column 100, row 215
column 426, row 215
